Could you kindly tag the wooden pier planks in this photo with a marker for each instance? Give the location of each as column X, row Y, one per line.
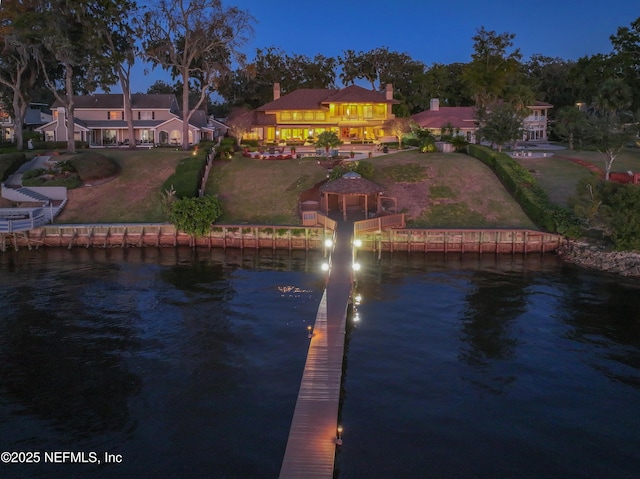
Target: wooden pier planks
column 310, row 451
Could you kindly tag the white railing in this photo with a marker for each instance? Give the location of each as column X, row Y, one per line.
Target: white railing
column 21, row 219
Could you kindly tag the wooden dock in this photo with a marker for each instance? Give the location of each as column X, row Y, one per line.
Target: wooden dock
column 311, row 446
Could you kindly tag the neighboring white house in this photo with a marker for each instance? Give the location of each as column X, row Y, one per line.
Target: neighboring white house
column 37, row 114
column 461, row 121
column 535, row 125
column 100, row 121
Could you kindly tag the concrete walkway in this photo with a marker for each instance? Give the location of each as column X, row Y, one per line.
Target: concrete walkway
column 15, row 180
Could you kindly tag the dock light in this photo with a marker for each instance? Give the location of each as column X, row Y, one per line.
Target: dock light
column 325, row 266
column 357, row 243
column 358, row 299
column 356, row 317
column 328, row 243
column 338, row 440
column 310, row 331
column 356, row 266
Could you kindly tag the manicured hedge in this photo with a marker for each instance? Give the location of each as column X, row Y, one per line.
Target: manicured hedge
column 523, row 187
column 57, row 145
column 186, row 179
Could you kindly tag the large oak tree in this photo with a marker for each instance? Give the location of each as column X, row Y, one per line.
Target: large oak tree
column 197, row 41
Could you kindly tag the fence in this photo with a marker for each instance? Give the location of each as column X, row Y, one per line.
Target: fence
column 165, row 235
column 204, row 174
column 460, row 241
column 315, row 218
column 21, row 219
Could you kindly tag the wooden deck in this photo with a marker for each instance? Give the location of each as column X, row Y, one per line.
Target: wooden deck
column 310, row 451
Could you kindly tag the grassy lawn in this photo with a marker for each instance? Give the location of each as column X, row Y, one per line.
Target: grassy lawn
column 435, row 190
column 628, row 159
column 262, row 192
column 132, row 196
column 558, row 177
column 439, row 190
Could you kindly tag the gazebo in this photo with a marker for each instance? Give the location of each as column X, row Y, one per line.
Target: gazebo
column 350, row 193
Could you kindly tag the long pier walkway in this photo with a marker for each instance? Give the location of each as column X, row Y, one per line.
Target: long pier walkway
column 311, row 447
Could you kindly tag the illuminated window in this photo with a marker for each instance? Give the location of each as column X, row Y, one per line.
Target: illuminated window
column 146, row 136
column 308, row 115
column 297, row 115
column 285, row 115
column 351, row 112
column 109, row 137
column 368, row 111
column 379, row 110
column 321, row 116
column 114, row 115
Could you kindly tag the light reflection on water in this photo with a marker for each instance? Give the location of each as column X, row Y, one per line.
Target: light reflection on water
column 188, row 364
column 521, row 368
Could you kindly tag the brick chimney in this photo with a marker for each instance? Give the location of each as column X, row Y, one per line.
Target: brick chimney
column 389, row 91
column 276, row 91
column 434, row 104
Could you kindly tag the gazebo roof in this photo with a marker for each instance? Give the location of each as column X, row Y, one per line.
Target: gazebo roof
column 351, row 184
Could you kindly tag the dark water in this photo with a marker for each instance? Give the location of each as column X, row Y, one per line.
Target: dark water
column 479, row 368
column 188, row 365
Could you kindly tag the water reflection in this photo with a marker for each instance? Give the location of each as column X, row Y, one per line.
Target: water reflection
column 492, row 367
column 493, row 303
column 186, row 362
column 60, row 355
column 604, row 316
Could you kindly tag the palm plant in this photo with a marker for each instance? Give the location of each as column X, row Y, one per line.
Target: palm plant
column 328, row 139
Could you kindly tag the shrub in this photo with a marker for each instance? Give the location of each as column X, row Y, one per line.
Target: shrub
column 64, row 165
column 224, row 152
column 417, row 142
column 523, row 187
column 195, row 216
column 57, row 145
column 92, row 166
column 10, row 162
column 363, row 168
column 34, row 173
column 186, row 179
column 611, row 208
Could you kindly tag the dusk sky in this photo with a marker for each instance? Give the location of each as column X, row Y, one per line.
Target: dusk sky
column 430, row 31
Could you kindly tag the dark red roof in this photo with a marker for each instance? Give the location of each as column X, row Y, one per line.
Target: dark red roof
column 457, row 116
column 357, row 94
column 302, row 99
column 319, row 98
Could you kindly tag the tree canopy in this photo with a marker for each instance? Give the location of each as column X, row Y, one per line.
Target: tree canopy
column 78, row 46
column 502, row 125
column 197, row 41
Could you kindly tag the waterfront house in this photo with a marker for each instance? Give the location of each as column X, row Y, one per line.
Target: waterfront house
column 356, row 114
column 461, row 121
column 100, row 120
column 37, row 114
